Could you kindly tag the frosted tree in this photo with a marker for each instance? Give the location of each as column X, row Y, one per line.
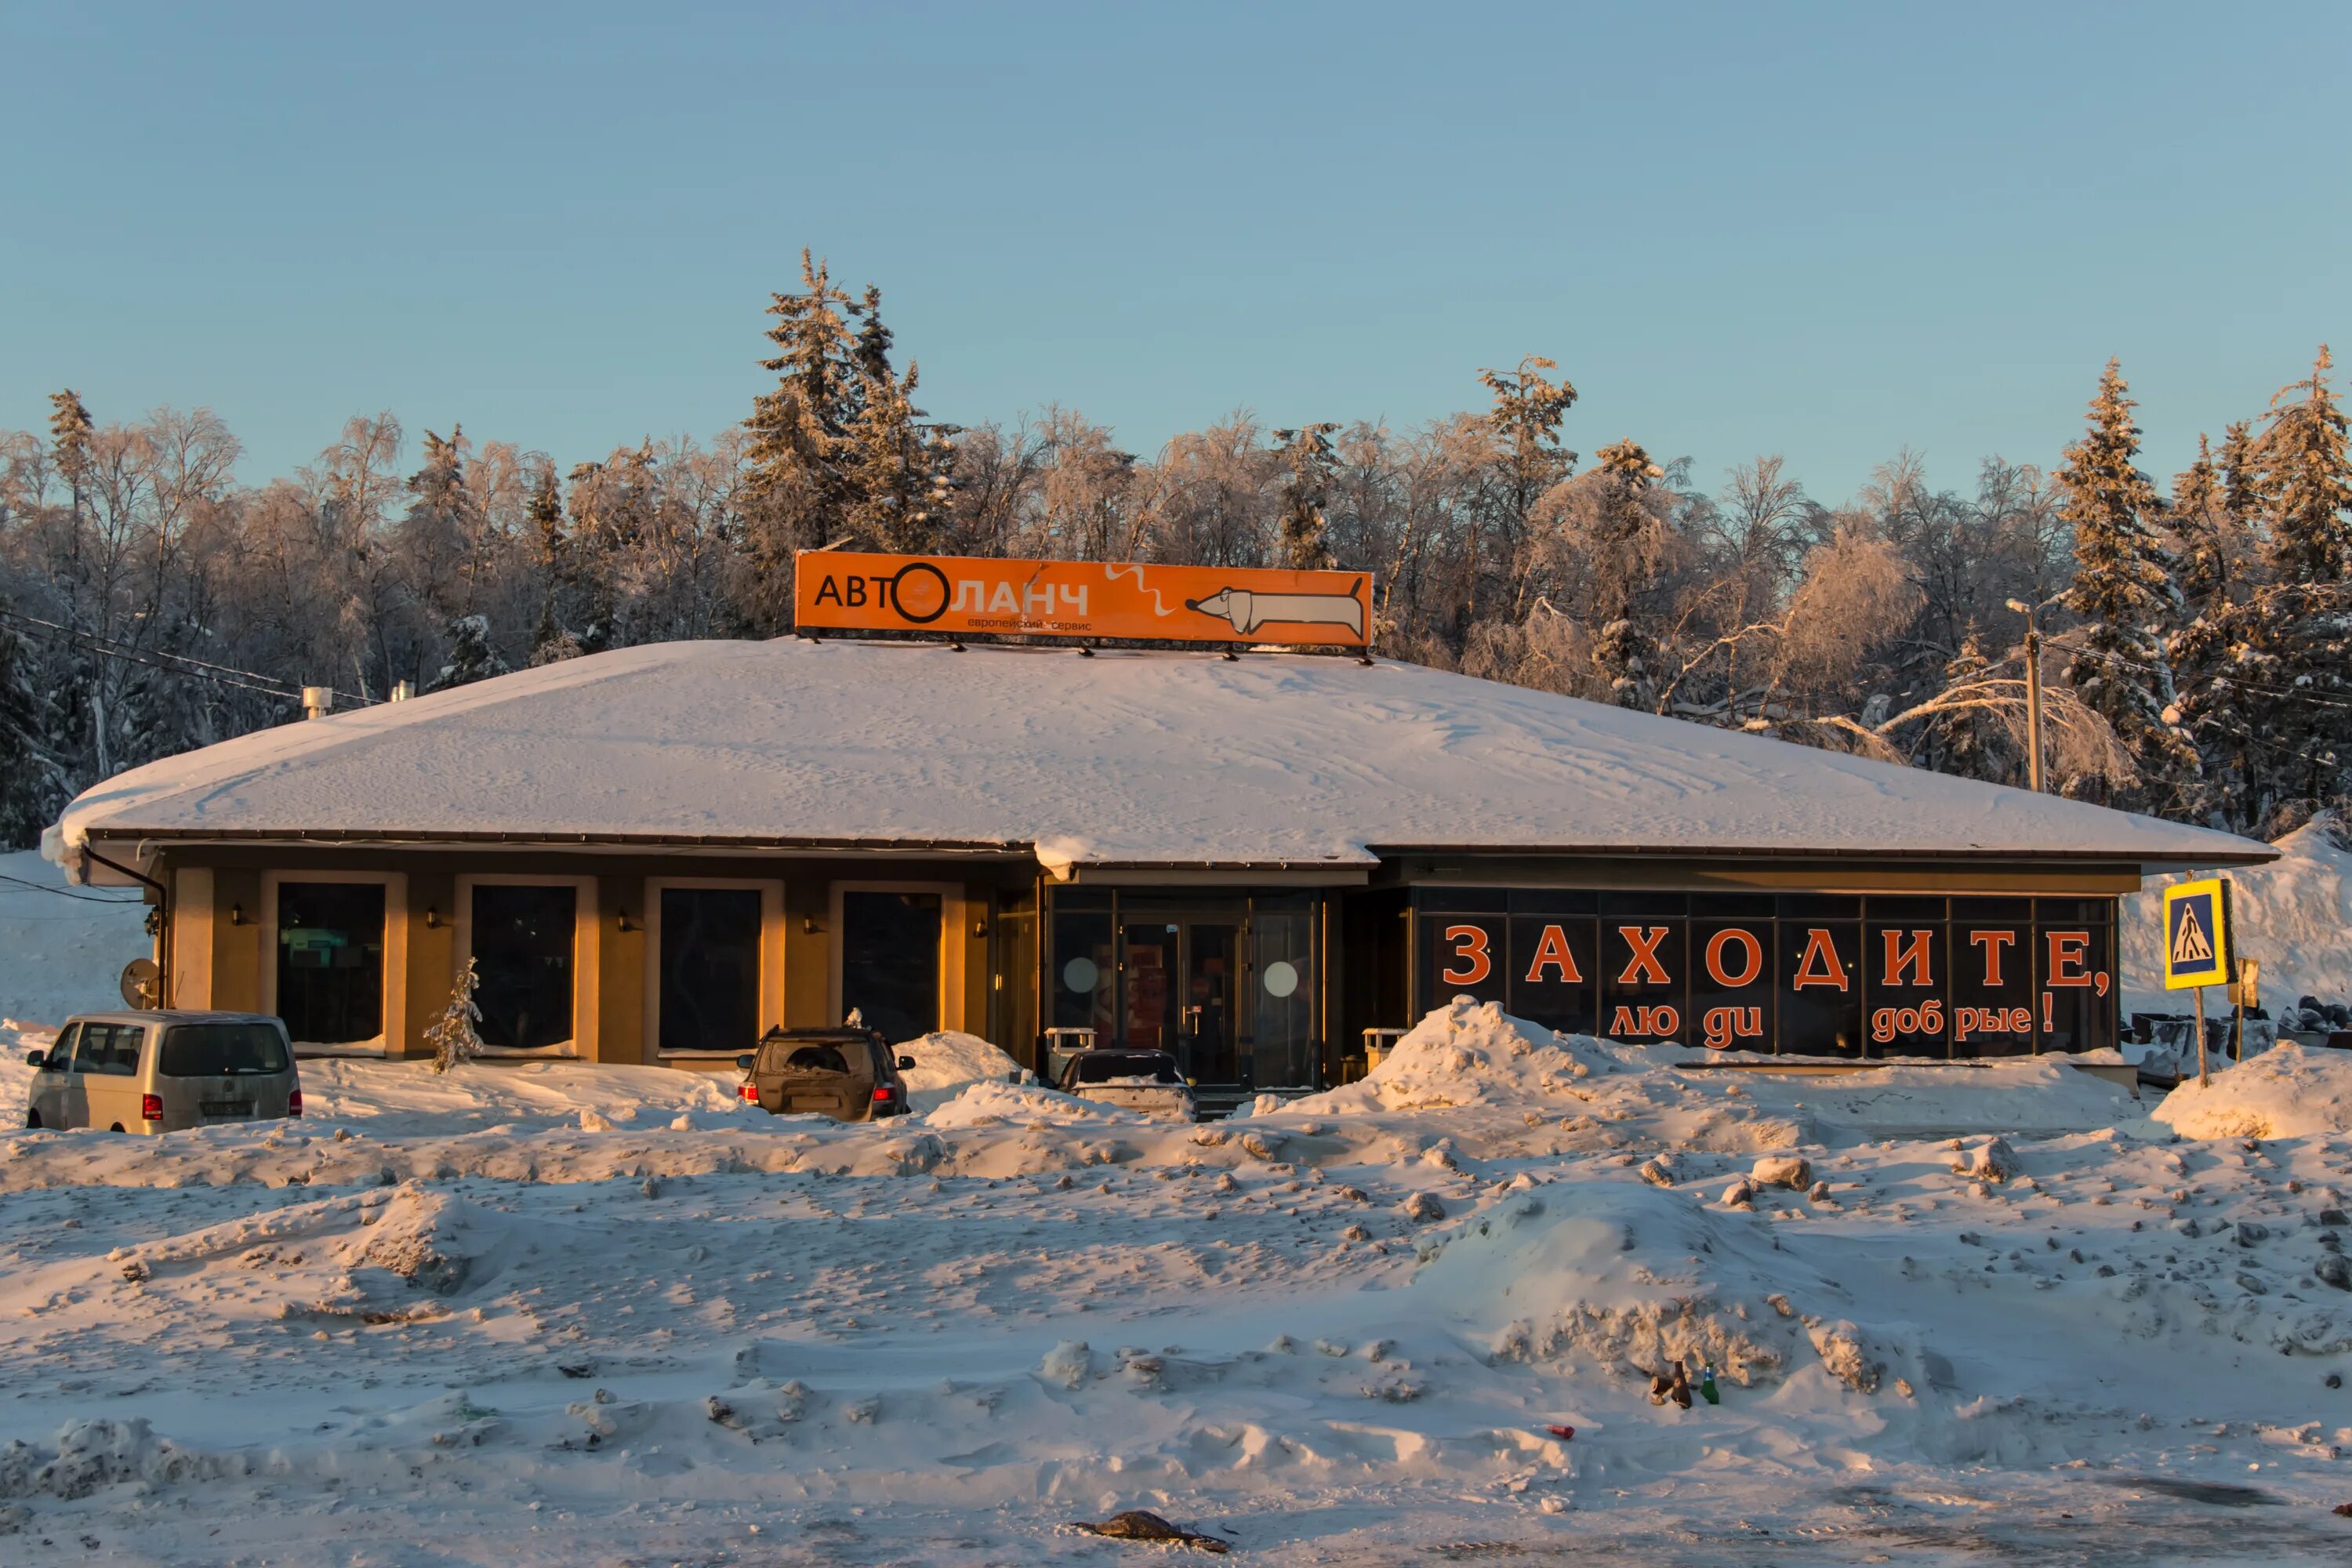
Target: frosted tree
column 2274, row 714
column 453, row 1036
column 896, row 472
column 2123, row 590
column 471, row 655
column 69, row 443
column 1309, row 464
column 32, row 782
column 796, row 495
column 2200, row 524
column 1524, row 425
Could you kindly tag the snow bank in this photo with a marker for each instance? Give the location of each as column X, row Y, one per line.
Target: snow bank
column 2294, row 915
column 989, row 1103
column 946, row 1061
column 399, row 1096
column 1467, row 1053
column 2288, row 1091
column 62, row 954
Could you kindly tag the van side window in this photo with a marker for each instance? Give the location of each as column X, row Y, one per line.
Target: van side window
column 61, row 1049
column 122, row 1061
column 90, row 1050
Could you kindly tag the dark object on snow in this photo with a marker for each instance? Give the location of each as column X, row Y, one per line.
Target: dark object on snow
column 848, row 1074
column 576, row 1368
column 2334, row 1380
column 2343, row 1508
column 1675, row 1387
column 1562, row 1432
column 1135, row 1525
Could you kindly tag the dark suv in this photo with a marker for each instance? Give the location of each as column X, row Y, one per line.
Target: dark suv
column 848, row 1074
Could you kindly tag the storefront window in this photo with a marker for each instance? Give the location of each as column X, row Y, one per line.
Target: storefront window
column 1282, row 987
column 1083, row 986
column 330, row 961
column 709, row 969
column 890, row 961
column 524, row 939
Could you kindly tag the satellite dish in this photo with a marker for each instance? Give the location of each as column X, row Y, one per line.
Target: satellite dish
column 142, row 983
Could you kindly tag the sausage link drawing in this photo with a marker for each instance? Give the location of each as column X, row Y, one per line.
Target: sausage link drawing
column 1247, row 611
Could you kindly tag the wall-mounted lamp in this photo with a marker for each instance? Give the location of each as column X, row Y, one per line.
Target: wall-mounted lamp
column 236, row 914
column 980, row 926
column 432, row 918
column 627, row 924
column 809, row 926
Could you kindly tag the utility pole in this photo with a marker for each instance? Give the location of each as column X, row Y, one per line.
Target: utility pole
column 2033, row 690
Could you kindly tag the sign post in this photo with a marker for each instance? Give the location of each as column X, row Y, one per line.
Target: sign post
column 2196, row 947
column 2244, row 992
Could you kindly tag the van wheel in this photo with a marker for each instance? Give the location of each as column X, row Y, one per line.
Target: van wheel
column 116, row 1128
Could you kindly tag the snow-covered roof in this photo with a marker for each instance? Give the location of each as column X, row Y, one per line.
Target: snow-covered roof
column 1124, row 758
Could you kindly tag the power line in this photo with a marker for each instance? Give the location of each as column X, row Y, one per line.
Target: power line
column 62, row 893
column 173, row 663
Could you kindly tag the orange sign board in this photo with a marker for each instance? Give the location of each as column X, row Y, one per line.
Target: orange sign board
column 838, row 590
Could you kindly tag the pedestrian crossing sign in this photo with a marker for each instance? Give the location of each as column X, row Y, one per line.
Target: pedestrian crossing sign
column 2196, row 934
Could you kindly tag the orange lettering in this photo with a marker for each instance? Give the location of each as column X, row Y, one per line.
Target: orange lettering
column 1910, row 957
column 1644, row 962
column 2066, row 957
column 1714, row 957
column 1552, row 952
column 1469, row 950
column 1993, row 943
column 1828, row 971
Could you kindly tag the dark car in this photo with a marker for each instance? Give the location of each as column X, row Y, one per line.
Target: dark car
column 848, row 1074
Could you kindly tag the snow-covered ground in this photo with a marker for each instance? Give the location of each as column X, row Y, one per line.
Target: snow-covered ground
column 547, row 1313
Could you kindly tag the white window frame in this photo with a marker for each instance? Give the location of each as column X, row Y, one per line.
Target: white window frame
column 394, row 1011
column 770, row 1010
column 584, row 991
column 951, row 903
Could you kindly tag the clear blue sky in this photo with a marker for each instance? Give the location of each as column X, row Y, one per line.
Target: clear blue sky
column 1828, row 231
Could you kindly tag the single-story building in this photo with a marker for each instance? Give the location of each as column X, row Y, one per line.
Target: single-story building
column 654, row 854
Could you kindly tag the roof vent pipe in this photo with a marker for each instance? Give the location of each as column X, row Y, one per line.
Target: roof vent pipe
column 317, row 701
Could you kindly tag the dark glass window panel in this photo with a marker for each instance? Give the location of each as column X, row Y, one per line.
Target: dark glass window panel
column 2074, row 911
column 2002, row 911
column 1992, row 985
column 1733, row 906
column 1462, row 901
column 1207, row 1048
column 1082, row 977
column 1643, row 977
column 709, row 969
column 1819, row 967
column 1282, row 982
column 1554, row 901
column 1152, row 955
column 2074, row 979
column 330, row 961
column 1819, row 907
column 1734, row 996
column 1462, row 955
column 890, row 962
column 523, row 940
column 1082, row 899
column 1555, row 967
column 1625, row 903
column 1884, row 907
column 1909, row 970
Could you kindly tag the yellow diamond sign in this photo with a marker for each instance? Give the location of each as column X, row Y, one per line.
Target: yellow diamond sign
column 2196, row 934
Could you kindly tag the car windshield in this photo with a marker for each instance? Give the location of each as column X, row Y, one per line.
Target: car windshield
column 1102, row 1067
column 211, row 1051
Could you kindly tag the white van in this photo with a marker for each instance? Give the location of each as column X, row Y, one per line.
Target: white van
column 144, row 1071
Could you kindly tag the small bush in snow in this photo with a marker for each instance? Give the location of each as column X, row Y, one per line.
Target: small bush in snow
column 453, row 1039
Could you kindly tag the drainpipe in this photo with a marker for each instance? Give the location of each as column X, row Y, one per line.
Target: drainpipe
column 163, row 932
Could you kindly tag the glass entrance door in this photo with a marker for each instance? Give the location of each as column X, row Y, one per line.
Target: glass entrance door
column 1179, row 979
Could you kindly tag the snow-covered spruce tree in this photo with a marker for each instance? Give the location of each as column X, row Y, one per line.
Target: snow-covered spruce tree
column 1524, row 425
column 795, row 495
column 896, row 472
column 471, row 655
column 32, row 781
column 1624, row 655
column 453, row 1037
column 2124, row 592
column 1309, row 463
column 2275, row 716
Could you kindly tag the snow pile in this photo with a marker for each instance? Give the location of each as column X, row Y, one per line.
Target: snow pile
column 1468, row 1053
column 989, row 1103
column 2294, row 914
column 946, row 1061
column 62, row 949
column 401, row 1097
column 2288, row 1091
